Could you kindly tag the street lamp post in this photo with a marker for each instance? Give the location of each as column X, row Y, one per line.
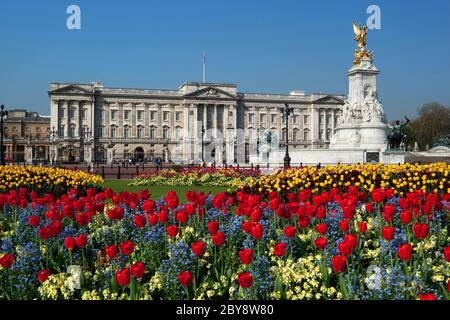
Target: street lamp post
column 53, row 141
column 203, row 133
column 287, row 111
column 2, row 114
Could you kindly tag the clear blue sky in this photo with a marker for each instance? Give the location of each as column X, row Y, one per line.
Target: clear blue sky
column 261, row 45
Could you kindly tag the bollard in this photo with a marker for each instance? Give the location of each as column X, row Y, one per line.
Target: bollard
column 103, row 172
column 118, row 172
column 137, row 170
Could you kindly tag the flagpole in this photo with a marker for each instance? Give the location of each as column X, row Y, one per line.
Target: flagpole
column 204, row 67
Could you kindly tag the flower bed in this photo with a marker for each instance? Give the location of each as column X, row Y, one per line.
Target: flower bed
column 227, row 177
column 42, row 180
column 405, row 178
column 332, row 245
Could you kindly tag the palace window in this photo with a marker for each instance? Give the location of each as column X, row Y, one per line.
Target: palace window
column 140, row 115
column 83, row 113
column 328, row 134
column 126, row 115
column 166, row 116
column 152, row 115
column 72, row 113
column 178, row 116
column 321, row 119
column 273, row 118
column 306, row 135
column 139, row 133
column 165, row 133
column 113, row 114
column 126, row 133
column 305, row 119
column 295, row 119
column 61, row 131
column 283, row 134
column 295, row 135
column 320, row 134
column 152, row 133
column 113, row 132
column 251, row 117
column 100, row 132
column 178, row 133
column 262, row 118
column 328, row 119
column 72, row 131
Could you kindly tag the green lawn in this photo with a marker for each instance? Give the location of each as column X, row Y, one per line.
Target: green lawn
column 158, row 191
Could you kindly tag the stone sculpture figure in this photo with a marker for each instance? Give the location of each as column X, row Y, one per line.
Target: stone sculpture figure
column 396, row 136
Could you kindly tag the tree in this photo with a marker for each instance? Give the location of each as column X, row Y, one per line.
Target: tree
column 432, row 123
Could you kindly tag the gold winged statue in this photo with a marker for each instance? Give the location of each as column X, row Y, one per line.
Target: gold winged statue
column 360, row 38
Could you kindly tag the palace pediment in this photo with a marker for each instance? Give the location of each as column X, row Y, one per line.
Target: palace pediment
column 329, row 99
column 210, row 93
column 71, row 89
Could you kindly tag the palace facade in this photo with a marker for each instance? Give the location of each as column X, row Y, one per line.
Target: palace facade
column 26, row 130
column 91, row 122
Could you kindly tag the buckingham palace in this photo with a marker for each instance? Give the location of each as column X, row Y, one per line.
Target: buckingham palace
column 210, row 121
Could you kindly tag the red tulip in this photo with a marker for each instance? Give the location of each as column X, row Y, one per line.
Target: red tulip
column 137, row 270
column 81, row 240
column 344, row 225
column 43, row 275
column 123, row 277
column 127, row 247
column 406, row 216
column 44, row 233
column 322, row 228
column 140, row 220
column 404, row 251
column 69, row 243
column 185, row 278
column 320, row 243
column 362, row 226
column 172, row 231
column 152, row 219
column 182, row 217
column 247, row 226
column 257, row 231
column 345, row 248
column 339, row 263
column 34, row 221
column 6, row 261
column 279, row 249
column 321, row 213
column 111, row 251
column 198, row 248
column 289, row 231
column 369, row 207
column 447, row 253
column 421, row 230
column 213, row 227
column 245, row 279
column 163, row 216
column 352, row 240
column 246, row 256
column 388, row 233
column 427, row 296
column 388, row 212
column 218, row 239
column 378, row 195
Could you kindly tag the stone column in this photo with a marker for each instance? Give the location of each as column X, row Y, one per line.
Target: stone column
column 315, row 127
column 215, row 122
column 186, row 135
column 66, row 105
